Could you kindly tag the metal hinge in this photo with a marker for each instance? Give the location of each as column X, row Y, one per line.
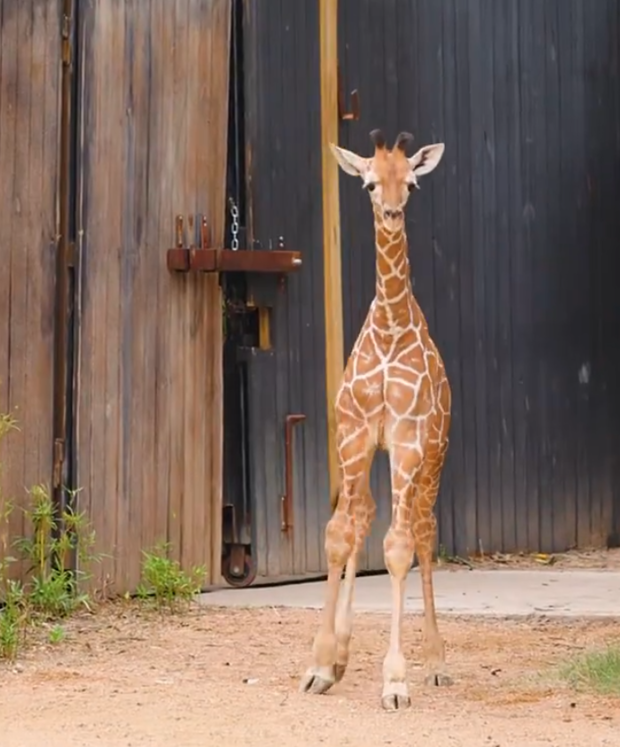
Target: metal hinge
column 67, row 48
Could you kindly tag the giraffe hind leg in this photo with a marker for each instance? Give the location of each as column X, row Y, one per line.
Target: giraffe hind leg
column 398, row 547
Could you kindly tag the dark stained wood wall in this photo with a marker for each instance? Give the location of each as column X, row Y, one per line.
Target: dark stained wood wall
column 514, row 250
column 153, row 98
column 29, row 117
column 513, row 247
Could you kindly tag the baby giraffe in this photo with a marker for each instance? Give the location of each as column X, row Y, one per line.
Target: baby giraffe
column 394, row 396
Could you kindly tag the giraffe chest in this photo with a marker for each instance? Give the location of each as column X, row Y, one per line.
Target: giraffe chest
column 384, row 393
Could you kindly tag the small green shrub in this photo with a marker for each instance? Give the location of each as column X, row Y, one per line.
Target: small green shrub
column 164, row 583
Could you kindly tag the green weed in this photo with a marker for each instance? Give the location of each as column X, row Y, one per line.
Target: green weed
column 164, row 583
column 13, row 619
column 54, row 591
column 56, row 542
column 595, row 670
column 56, row 635
column 7, row 423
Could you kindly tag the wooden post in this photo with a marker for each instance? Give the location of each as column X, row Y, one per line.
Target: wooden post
column 332, row 275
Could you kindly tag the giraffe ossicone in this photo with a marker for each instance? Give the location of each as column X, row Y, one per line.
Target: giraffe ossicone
column 394, row 396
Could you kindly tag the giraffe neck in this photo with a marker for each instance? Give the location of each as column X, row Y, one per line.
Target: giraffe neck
column 393, row 295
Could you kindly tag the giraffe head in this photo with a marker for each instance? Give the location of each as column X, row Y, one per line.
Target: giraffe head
column 390, row 176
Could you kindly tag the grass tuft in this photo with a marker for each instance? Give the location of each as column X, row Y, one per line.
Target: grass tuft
column 165, row 583
column 595, row 670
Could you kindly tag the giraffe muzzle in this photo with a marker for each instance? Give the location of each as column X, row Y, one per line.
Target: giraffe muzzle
column 393, row 213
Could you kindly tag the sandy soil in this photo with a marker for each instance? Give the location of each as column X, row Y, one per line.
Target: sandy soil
column 128, row 678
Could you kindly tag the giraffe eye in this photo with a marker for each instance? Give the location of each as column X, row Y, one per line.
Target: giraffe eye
column 411, row 186
column 370, row 186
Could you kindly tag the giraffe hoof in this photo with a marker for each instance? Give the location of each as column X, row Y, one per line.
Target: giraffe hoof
column 339, row 670
column 395, row 697
column 438, row 680
column 317, row 681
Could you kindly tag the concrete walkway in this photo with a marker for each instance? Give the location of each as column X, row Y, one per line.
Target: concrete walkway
column 569, row 593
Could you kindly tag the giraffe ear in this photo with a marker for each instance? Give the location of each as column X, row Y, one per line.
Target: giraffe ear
column 426, row 159
column 350, row 162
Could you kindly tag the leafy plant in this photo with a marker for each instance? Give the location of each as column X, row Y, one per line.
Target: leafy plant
column 7, row 424
column 11, row 592
column 164, row 582
column 55, row 542
column 54, row 591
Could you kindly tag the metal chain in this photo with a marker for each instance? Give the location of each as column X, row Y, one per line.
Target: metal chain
column 234, row 228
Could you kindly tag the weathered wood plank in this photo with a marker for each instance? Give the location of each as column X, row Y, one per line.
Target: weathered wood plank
column 136, row 288
column 21, row 236
column 178, row 289
column 160, row 202
column 199, row 40
column 150, row 235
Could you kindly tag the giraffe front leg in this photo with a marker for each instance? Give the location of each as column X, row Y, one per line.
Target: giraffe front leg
column 342, row 543
column 339, row 543
column 398, row 548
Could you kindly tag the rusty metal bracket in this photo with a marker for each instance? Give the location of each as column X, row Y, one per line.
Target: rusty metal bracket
column 59, row 458
column 205, row 258
column 286, row 500
column 354, row 114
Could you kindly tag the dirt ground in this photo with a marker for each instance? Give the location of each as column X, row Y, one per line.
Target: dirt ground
column 606, row 558
column 127, row 678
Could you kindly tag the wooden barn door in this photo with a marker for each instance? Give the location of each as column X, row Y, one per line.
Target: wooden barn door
column 152, row 132
column 286, row 375
column 29, row 132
